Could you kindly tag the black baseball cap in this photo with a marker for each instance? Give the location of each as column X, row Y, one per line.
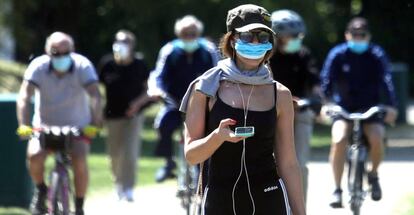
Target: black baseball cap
column 248, row 17
column 358, row 25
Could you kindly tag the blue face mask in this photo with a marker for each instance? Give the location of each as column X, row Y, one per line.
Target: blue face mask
column 293, row 46
column 358, row 47
column 252, row 50
column 188, row 45
column 62, row 63
column 121, row 50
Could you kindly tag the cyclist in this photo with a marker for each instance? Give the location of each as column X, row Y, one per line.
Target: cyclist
column 124, row 76
column 245, row 175
column 354, row 75
column 61, row 81
column 179, row 62
column 290, row 61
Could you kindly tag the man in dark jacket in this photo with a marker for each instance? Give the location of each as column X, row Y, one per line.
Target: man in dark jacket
column 354, row 76
column 179, row 63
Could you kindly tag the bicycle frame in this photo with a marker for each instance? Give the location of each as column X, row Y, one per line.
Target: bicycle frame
column 357, row 157
column 59, row 189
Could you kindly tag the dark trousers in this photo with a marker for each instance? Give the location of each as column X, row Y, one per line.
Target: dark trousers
column 168, row 121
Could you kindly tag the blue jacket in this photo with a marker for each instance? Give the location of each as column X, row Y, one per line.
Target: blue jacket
column 357, row 82
column 175, row 69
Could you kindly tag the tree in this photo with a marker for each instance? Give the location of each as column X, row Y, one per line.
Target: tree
column 93, row 23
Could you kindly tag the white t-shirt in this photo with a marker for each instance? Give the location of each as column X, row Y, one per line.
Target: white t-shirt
column 61, row 101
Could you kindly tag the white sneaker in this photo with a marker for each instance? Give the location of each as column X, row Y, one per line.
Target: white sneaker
column 119, row 191
column 129, row 194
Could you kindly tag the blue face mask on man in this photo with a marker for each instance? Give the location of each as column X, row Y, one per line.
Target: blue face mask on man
column 252, row 50
column 293, row 46
column 358, row 47
column 188, row 46
column 62, row 63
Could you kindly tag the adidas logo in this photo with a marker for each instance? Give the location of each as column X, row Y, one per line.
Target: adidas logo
column 270, row 188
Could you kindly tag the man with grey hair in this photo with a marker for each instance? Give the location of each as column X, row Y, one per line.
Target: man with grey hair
column 124, row 75
column 66, row 92
column 179, row 63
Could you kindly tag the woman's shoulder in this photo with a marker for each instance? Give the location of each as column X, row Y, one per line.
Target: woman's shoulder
column 282, row 89
column 283, row 93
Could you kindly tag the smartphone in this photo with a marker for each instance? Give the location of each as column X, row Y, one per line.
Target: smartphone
column 244, row 131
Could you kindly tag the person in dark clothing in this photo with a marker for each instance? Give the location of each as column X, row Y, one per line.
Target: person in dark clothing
column 125, row 79
column 247, row 172
column 355, row 75
column 293, row 66
column 179, row 63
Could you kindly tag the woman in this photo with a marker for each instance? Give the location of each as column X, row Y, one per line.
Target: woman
column 244, row 177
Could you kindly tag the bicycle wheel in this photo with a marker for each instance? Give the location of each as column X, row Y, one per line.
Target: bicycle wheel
column 59, row 194
column 189, row 189
column 357, row 193
column 355, row 177
column 183, row 182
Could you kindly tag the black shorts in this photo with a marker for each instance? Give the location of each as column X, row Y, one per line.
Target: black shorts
column 269, row 198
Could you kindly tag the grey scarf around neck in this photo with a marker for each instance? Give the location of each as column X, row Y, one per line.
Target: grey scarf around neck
column 226, row 69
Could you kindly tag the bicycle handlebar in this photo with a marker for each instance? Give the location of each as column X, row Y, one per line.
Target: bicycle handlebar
column 337, row 110
column 89, row 132
column 309, row 103
column 59, row 131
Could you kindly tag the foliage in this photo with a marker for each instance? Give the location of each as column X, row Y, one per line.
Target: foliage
column 10, row 76
column 94, row 22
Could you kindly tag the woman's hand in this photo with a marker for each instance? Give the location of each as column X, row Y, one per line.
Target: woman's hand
column 224, row 133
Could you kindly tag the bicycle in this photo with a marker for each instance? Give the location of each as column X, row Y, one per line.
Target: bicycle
column 357, row 152
column 58, row 140
column 313, row 104
column 187, row 180
column 187, row 177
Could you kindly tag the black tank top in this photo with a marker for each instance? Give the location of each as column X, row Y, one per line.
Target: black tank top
column 224, row 165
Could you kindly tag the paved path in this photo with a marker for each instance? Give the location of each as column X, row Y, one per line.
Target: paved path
column 396, row 176
column 396, row 179
column 152, row 200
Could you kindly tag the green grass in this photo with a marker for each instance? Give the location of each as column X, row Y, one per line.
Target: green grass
column 13, row 211
column 99, row 163
column 406, row 207
column 321, row 136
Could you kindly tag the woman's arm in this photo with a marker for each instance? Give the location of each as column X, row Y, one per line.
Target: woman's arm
column 287, row 164
column 199, row 147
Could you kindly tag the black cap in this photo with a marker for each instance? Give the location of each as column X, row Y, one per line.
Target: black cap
column 247, row 17
column 358, row 25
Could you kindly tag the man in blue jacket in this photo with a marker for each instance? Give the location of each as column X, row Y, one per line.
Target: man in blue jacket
column 179, row 63
column 355, row 76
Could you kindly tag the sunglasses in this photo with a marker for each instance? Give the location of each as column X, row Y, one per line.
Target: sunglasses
column 189, row 34
column 362, row 34
column 55, row 53
column 248, row 37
